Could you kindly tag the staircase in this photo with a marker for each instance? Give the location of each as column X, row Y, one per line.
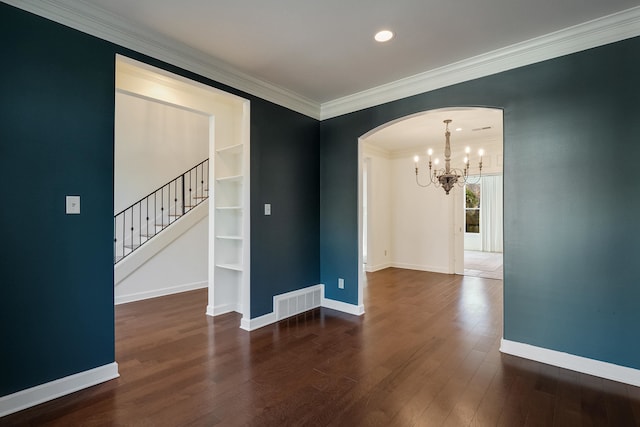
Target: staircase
column 146, row 218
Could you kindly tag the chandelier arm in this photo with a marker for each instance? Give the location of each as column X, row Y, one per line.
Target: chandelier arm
column 418, row 180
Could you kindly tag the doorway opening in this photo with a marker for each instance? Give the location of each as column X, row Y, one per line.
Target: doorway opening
column 218, row 122
column 417, row 228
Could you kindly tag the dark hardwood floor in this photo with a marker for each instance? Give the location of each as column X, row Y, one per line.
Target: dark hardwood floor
column 424, row 354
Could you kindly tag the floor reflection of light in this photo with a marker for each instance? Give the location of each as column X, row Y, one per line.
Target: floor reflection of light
column 473, row 306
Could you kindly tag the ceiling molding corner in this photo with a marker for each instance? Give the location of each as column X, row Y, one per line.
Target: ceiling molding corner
column 370, row 149
column 598, row 32
column 100, row 23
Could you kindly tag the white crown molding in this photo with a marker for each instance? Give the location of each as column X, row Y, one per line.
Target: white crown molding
column 87, row 18
column 598, row 32
column 105, row 25
column 370, row 149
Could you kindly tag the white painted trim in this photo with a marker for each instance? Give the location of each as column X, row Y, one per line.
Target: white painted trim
column 149, row 249
column 419, row 267
column 598, row 32
column 373, row 268
column 270, row 318
column 105, row 25
column 356, row 310
column 258, row 322
column 370, row 149
column 584, row 365
column 100, row 23
column 221, row 309
column 137, row 296
column 48, row 391
column 245, row 285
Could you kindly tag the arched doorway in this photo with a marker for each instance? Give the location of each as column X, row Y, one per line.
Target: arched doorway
column 408, row 226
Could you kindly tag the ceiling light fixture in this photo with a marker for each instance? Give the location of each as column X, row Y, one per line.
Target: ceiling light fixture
column 447, row 177
column 383, row 36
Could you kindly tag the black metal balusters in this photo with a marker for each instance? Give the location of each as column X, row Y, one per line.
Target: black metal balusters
column 170, row 209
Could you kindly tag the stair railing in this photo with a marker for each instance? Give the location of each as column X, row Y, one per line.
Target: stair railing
column 147, row 217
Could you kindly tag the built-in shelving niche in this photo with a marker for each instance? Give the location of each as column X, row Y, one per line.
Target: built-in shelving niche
column 230, row 182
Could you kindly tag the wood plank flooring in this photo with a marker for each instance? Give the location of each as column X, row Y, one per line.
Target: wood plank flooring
column 424, row 354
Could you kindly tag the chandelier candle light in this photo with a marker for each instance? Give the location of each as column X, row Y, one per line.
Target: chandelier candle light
column 447, row 177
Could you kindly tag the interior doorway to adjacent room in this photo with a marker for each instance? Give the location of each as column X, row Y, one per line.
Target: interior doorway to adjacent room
column 407, row 226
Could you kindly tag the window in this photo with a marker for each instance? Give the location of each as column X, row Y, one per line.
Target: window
column 472, row 208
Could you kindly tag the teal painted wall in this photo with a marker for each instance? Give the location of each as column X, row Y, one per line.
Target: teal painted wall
column 57, row 90
column 285, row 246
column 571, row 145
column 56, row 138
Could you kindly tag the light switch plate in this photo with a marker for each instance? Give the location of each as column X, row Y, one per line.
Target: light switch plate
column 267, row 208
column 73, row 205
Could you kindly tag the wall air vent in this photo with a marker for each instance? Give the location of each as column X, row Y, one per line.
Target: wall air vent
column 296, row 302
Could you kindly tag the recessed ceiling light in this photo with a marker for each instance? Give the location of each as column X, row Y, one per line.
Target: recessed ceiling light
column 383, row 36
column 458, row 129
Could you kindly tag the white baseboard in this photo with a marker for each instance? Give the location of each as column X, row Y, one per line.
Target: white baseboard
column 373, row 268
column 419, row 267
column 356, row 310
column 581, row 364
column 43, row 393
column 222, row 309
column 258, row 322
column 137, row 296
column 295, row 302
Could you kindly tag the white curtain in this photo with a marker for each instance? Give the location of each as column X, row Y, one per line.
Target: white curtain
column 491, row 209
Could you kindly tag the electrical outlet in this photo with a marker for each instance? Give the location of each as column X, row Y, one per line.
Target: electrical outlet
column 340, row 283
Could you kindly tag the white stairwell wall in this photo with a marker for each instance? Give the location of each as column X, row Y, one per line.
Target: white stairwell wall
column 173, row 261
column 154, row 143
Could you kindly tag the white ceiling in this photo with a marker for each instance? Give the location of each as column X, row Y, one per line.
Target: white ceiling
column 324, row 50
column 322, row 53
column 477, row 128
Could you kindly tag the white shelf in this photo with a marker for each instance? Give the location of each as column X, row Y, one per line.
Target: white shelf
column 231, row 228
column 229, row 178
column 234, row 267
column 229, row 237
column 232, row 149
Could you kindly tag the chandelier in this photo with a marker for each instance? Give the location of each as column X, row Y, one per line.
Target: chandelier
column 447, row 177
